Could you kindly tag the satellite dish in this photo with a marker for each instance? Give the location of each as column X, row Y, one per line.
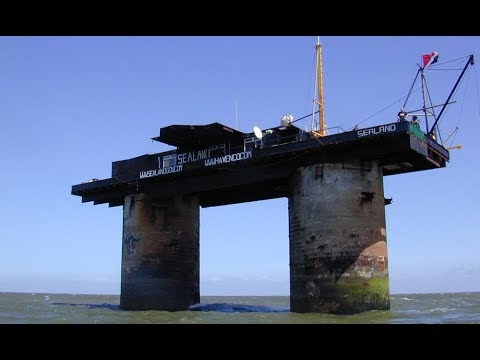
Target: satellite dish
column 257, row 132
column 286, row 120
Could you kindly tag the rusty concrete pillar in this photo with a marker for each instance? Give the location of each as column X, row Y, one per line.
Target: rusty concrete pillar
column 160, row 253
column 338, row 249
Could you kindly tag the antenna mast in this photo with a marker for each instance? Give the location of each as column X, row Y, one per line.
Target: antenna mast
column 236, row 115
column 321, row 130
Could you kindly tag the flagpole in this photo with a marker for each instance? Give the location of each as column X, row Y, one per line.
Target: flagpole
column 424, row 98
column 427, row 60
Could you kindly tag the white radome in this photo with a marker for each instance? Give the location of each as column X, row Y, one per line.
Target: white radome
column 286, row 120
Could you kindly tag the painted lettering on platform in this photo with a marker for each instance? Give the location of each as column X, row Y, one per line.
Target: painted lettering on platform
column 193, row 156
column 228, row 158
column 173, row 163
column 157, row 172
column 376, row 130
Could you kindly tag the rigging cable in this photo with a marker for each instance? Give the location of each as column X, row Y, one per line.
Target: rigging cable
column 452, row 93
column 463, row 99
column 303, row 117
column 476, row 86
column 432, row 111
column 455, row 132
column 435, row 67
column 385, row 108
column 458, row 69
column 309, row 85
column 454, row 96
column 430, row 68
column 447, row 62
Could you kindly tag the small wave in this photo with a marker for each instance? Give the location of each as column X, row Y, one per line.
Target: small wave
column 234, row 308
column 442, row 310
column 92, row 306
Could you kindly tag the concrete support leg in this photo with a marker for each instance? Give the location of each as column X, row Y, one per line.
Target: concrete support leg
column 338, row 249
column 160, row 253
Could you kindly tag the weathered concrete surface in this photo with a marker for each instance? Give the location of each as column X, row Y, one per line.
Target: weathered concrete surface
column 160, row 253
column 338, row 249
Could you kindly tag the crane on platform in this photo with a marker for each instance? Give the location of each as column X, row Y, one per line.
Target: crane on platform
column 428, row 108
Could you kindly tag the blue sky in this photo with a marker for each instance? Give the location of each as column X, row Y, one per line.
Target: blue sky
column 69, row 106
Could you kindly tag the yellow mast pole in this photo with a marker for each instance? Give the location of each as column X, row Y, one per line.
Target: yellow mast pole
column 320, row 102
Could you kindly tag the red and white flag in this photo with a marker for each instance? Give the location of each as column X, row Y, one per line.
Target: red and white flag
column 429, row 59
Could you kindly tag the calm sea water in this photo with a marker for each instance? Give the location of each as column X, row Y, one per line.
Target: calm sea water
column 25, row 308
